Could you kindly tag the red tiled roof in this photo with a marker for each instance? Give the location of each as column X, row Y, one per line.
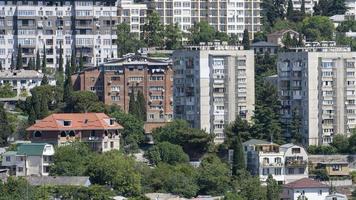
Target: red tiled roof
column 79, row 121
column 305, row 183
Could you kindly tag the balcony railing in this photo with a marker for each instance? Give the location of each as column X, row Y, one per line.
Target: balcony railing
column 264, row 164
column 296, row 163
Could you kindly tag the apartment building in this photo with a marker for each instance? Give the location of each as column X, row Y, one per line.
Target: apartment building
column 116, row 79
column 318, row 82
column 308, row 4
column 351, row 9
column 134, row 14
column 212, row 85
column 285, row 163
column 85, row 27
column 232, row 17
column 98, row 130
column 22, row 81
column 33, row 159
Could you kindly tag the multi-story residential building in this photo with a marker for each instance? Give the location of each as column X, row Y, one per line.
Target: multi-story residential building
column 133, row 14
column 22, row 81
column 30, row 159
column 115, row 80
column 318, row 83
column 308, row 4
column 212, row 85
column 232, row 17
column 285, row 163
column 88, row 27
column 351, row 9
column 101, row 132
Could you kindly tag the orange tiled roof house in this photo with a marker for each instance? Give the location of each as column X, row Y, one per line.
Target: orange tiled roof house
column 101, row 132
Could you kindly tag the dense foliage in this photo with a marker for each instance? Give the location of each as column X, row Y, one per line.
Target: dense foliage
column 167, row 153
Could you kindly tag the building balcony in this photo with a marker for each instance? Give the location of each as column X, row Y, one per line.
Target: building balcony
column 271, row 164
column 296, row 163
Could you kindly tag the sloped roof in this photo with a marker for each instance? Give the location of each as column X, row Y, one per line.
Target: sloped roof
column 329, row 159
column 9, row 153
column 282, row 32
column 256, row 142
column 263, row 44
column 79, row 121
column 59, row 180
column 305, row 183
column 31, row 149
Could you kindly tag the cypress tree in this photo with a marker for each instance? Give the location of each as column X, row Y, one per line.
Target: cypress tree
column 35, row 101
column 12, row 64
column 133, row 105
column 141, row 105
column 38, row 61
column 4, row 126
column 60, row 67
column 238, row 156
column 44, row 60
column 1, row 66
column 32, row 116
column 30, row 64
column 302, row 7
column 44, row 107
column 67, row 86
column 73, row 63
column 81, row 61
column 290, row 10
column 19, row 64
column 300, row 40
column 246, row 40
column 44, row 80
column 288, row 41
column 296, row 126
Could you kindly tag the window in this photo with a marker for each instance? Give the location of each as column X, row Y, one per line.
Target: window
column 277, row 171
column 277, row 160
column 37, row 134
column 151, row 116
column 66, row 123
column 336, row 167
column 266, row 160
column 115, row 98
column 295, row 150
column 320, row 192
column 112, row 144
column 105, row 145
column 265, row 171
column 20, row 169
column 156, row 78
column 8, row 158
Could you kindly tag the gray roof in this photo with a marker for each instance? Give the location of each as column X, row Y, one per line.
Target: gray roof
column 256, row 142
column 263, row 44
column 328, row 159
column 59, row 180
column 20, row 74
column 10, row 153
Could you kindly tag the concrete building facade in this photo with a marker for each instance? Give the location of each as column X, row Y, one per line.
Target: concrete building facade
column 86, row 28
column 318, row 82
column 232, row 17
column 115, row 80
column 212, row 85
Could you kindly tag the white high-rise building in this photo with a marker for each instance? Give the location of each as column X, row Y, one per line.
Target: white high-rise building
column 308, row 4
column 212, row 85
column 319, row 83
column 232, row 17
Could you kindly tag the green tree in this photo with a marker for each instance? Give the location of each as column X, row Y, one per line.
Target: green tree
column 12, row 64
column 290, row 10
column 202, row 32
column 221, row 36
column 287, row 40
column 94, row 192
column 246, row 40
column 317, row 28
column 36, row 104
column 302, row 7
column 73, row 62
column 240, row 127
column 5, row 130
column 85, row 101
column 249, row 187
column 352, row 142
column 341, row 143
column 116, row 170
column 43, row 107
column 173, row 36
column 296, row 127
column 133, row 133
column 44, row 61
column 60, row 62
column 19, row 64
column 232, row 196
column 213, row 176
column 30, row 65
column 81, row 60
column 38, row 60
column 273, row 189
column 32, row 116
column 154, row 31
column 1, row 68
column 195, row 142
column 180, row 179
column 44, row 80
column 167, row 153
column 238, row 163
column 127, row 42
column 133, row 109
column 71, row 160
column 336, row 7
column 17, row 188
column 141, row 105
column 67, row 86
column 6, row 91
